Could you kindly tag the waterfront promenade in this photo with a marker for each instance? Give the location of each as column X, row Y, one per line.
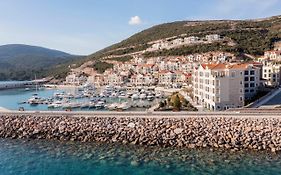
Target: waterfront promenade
column 240, row 113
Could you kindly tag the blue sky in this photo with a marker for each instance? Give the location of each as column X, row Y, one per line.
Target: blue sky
column 85, row 26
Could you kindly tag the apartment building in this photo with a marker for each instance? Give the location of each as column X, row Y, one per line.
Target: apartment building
column 224, row 86
column 271, row 73
column 274, row 55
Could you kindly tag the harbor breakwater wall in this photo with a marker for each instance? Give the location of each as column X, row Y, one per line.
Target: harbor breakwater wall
column 214, row 132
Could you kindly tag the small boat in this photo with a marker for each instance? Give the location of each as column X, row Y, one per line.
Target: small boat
column 112, row 106
column 142, row 96
column 122, row 96
column 84, row 105
column 150, row 97
column 100, row 105
column 56, row 104
column 124, row 106
column 34, row 100
column 135, row 96
column 92, row 105
column 159, row 95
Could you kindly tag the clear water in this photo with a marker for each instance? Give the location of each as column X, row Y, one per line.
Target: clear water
column 10, row 98
column 21, row 157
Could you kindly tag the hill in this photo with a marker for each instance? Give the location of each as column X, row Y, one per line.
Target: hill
column 251, row 37
column 22, row 62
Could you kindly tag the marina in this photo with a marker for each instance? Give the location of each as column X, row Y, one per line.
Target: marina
column 85, row 98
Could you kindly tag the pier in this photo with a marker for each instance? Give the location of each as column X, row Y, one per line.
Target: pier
column 232, row 130
column 21, row 84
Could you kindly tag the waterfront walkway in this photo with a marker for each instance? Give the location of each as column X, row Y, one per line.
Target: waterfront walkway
column 275, row 113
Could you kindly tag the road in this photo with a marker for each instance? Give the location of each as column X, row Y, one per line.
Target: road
column 275, row 100
column 243, row 114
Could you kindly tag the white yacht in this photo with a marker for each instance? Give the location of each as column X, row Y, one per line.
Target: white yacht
column 135, row 96
column 143, row 96
column 34, row 100
column 56, row 104
column 124, row 106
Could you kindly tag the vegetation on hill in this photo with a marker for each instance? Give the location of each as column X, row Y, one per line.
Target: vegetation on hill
column 252, row 36
column 121, row 59
column 101, row 66
column 23, row 62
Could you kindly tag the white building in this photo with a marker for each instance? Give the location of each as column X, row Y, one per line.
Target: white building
column 223, row 86
column 213, row 37
column 271, row 73
column 274, row 55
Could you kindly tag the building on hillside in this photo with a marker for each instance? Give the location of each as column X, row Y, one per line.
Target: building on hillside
column 224, row 86
column 166, row 78
column 274, row 55
column 75, row 79
column 213, row 37
column 271, row 73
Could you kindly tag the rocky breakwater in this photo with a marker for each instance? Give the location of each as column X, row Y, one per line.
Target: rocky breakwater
column 213, row 132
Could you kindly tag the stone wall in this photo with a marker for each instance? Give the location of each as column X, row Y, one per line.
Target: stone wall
column 215, row 132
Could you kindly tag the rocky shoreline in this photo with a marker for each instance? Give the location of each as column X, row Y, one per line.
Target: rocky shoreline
column 192, row 132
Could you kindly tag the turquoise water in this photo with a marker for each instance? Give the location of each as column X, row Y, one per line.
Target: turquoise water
column 10, row 98
column 22, row 157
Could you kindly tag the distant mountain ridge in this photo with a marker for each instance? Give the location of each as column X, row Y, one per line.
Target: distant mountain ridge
column 21, row 62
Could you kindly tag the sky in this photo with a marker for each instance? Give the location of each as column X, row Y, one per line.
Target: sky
column 85, row 26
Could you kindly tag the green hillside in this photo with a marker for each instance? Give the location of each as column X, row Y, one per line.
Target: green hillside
column 252, row 37
column 23, row 62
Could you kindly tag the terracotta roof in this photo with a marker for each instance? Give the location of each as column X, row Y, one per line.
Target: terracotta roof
column 225, row 66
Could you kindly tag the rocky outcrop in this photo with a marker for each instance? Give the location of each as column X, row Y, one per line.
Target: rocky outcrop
column 192, row 132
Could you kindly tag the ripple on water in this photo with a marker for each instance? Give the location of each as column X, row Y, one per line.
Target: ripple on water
column 21, row 157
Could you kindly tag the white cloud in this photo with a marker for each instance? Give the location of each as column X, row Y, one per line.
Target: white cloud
column 135, row 20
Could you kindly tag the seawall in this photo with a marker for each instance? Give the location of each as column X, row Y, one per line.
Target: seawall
column 229, row 132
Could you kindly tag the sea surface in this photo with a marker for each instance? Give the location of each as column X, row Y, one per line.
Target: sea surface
column 38, row 157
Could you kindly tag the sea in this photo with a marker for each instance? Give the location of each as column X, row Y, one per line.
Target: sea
column 40, row 157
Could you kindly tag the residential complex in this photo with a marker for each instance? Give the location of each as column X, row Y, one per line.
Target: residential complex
column 218, row 80
column 223, row 86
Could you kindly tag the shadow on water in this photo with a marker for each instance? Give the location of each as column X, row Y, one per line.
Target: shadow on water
column 36, row 157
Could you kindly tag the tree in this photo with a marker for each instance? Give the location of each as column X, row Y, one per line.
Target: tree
column 177, row 103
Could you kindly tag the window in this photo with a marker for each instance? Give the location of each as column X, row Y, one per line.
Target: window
column 265, row 70
column 246, row 72
column 252, row 72
column 217, row 99
column 246, row 78
column 252, row 78
column 217, row 82
column 247, row 90
column 246, row 85
column 241, row 98
column 232, row 74
column 252, row 85
column 264, row 75
column 252, row 90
